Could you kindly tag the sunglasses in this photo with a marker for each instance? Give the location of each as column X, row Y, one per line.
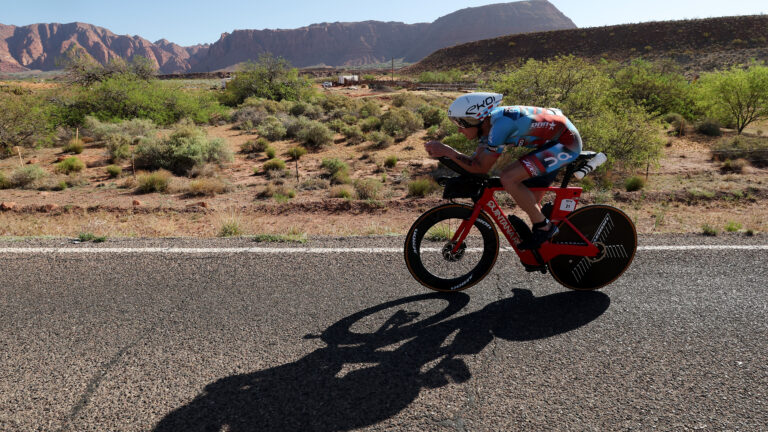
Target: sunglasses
column 464, row 123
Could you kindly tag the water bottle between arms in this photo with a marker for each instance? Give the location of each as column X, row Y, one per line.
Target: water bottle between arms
column 593, row 163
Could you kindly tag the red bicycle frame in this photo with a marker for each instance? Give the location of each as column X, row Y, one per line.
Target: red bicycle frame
column 564, row 203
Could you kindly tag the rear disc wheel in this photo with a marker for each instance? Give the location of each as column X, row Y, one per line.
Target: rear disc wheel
column 611, row 231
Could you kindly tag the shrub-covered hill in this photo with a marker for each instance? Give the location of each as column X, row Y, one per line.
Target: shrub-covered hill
column 697, row 45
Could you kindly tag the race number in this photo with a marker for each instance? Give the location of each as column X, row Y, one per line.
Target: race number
column 568, row 205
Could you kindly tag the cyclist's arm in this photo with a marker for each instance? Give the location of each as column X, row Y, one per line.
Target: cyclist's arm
column 480, row 163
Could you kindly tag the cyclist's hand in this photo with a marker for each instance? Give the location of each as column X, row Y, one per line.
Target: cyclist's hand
column 436, row 149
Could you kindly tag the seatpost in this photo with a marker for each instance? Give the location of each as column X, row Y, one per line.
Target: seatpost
column 567, row 177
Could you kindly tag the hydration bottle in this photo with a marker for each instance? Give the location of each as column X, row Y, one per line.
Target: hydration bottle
column 593, row 163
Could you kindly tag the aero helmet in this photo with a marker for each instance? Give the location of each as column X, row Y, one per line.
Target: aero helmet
column 472, row 108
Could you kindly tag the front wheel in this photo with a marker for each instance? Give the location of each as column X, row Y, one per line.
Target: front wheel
column 429, row 250
column 611, row 231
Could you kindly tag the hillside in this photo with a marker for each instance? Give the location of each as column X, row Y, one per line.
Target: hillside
column 697, row 45
column 39, row 46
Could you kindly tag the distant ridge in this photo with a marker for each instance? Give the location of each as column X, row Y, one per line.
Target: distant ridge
column 696, row 45
column 39, row 46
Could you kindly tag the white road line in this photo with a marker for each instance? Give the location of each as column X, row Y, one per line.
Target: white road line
column 301, row 250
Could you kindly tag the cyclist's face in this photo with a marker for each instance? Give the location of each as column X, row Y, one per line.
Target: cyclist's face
column 470, row 132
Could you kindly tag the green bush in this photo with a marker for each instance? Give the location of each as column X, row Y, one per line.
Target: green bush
column 153, row 182
column 274, row 165
column 297, row 152
column 390, row 162
column 306, row 109
column 316, row 136
column 422, row 187
column 370, row 108
column 269, row 77
column 254, row 146
column 5, row 183
column 70, row 165
column 738, row 96
column 368, row 189
column 75, row 145
column 126, row 97
column 735, row 166
column 25, row 176
column 114, row 171
column 732, row 226
column 400, row 123
column 187, row 147
column 709, row 127
column 133, row 128
column 431, row 115
column 270, row 152
column 341, row 191
column 24, row 120
column 708, row 230
column 380, row 140
column 334, row 165
column 353, row 134
column 657, row 87
column 295, row 125
column 370, row 124
column 118, row 146
column 272, row 129
column 634, row 183
column 460, row 143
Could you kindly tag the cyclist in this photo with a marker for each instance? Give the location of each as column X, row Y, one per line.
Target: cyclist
column 555, row 140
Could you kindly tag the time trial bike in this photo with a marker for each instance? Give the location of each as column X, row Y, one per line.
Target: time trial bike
column 454, row 246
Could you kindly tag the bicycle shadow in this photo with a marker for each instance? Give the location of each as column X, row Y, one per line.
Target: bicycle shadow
column 361, row 379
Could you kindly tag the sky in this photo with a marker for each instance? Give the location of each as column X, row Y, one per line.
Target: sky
column 189, row 22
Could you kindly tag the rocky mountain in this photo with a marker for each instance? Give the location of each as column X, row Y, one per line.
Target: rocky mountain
column 695, row 45
column 39, row 46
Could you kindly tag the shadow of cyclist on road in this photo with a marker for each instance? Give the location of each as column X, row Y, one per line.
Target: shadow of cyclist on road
column 360, row 379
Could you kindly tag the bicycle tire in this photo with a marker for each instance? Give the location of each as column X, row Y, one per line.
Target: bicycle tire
column 613, row 232
column 414, row 252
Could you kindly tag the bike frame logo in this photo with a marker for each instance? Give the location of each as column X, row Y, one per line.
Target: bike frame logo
column 502, row 221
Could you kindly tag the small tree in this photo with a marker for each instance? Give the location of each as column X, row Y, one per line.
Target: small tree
column 23, row 120
column 737, row 96
column 270, row 78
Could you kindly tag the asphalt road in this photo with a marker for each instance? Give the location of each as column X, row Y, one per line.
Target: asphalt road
column 201, row 341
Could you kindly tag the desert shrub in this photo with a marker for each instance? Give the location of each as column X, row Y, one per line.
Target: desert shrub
column 118, row 146
column 294, row 125
column 368, row 189
column 278, row 192
column 407, row 100
column 634, row 183
column 272, row 129
column 709, row 127
column 460, row 143
column 274, row 165
column 400, row 123
column 733, row 226
column 658, row 87
column 341, row 191
column 157, row 181
column 353, row 134
column 306, row 109
column 314, row 183
column 380, row 140
column 70, row 165
column 370, row 124
column 230, row 228
column 390, row 162
column 186, row 148
column 449, row 76
column 422, row 187
column 752, row 149
column 334, row 165
column 297, row 152
column 315, row 136
column 336, row 125
column 75, row 145
column 432, row 115
column 249, row 117
column 370, row 108
column 114, row 171
column 126, row 97
column 735, row 166
column 708, row 230
column 24, row 120
column 5, row 183
column 26, row 175
column 737, row 96
column 270, row 152
column 269, row 78
column 254, row 146
column 677, row 122
column 267, row 105
column 209, row 186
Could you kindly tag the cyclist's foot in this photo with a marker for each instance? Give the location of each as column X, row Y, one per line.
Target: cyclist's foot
column 541, row 232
